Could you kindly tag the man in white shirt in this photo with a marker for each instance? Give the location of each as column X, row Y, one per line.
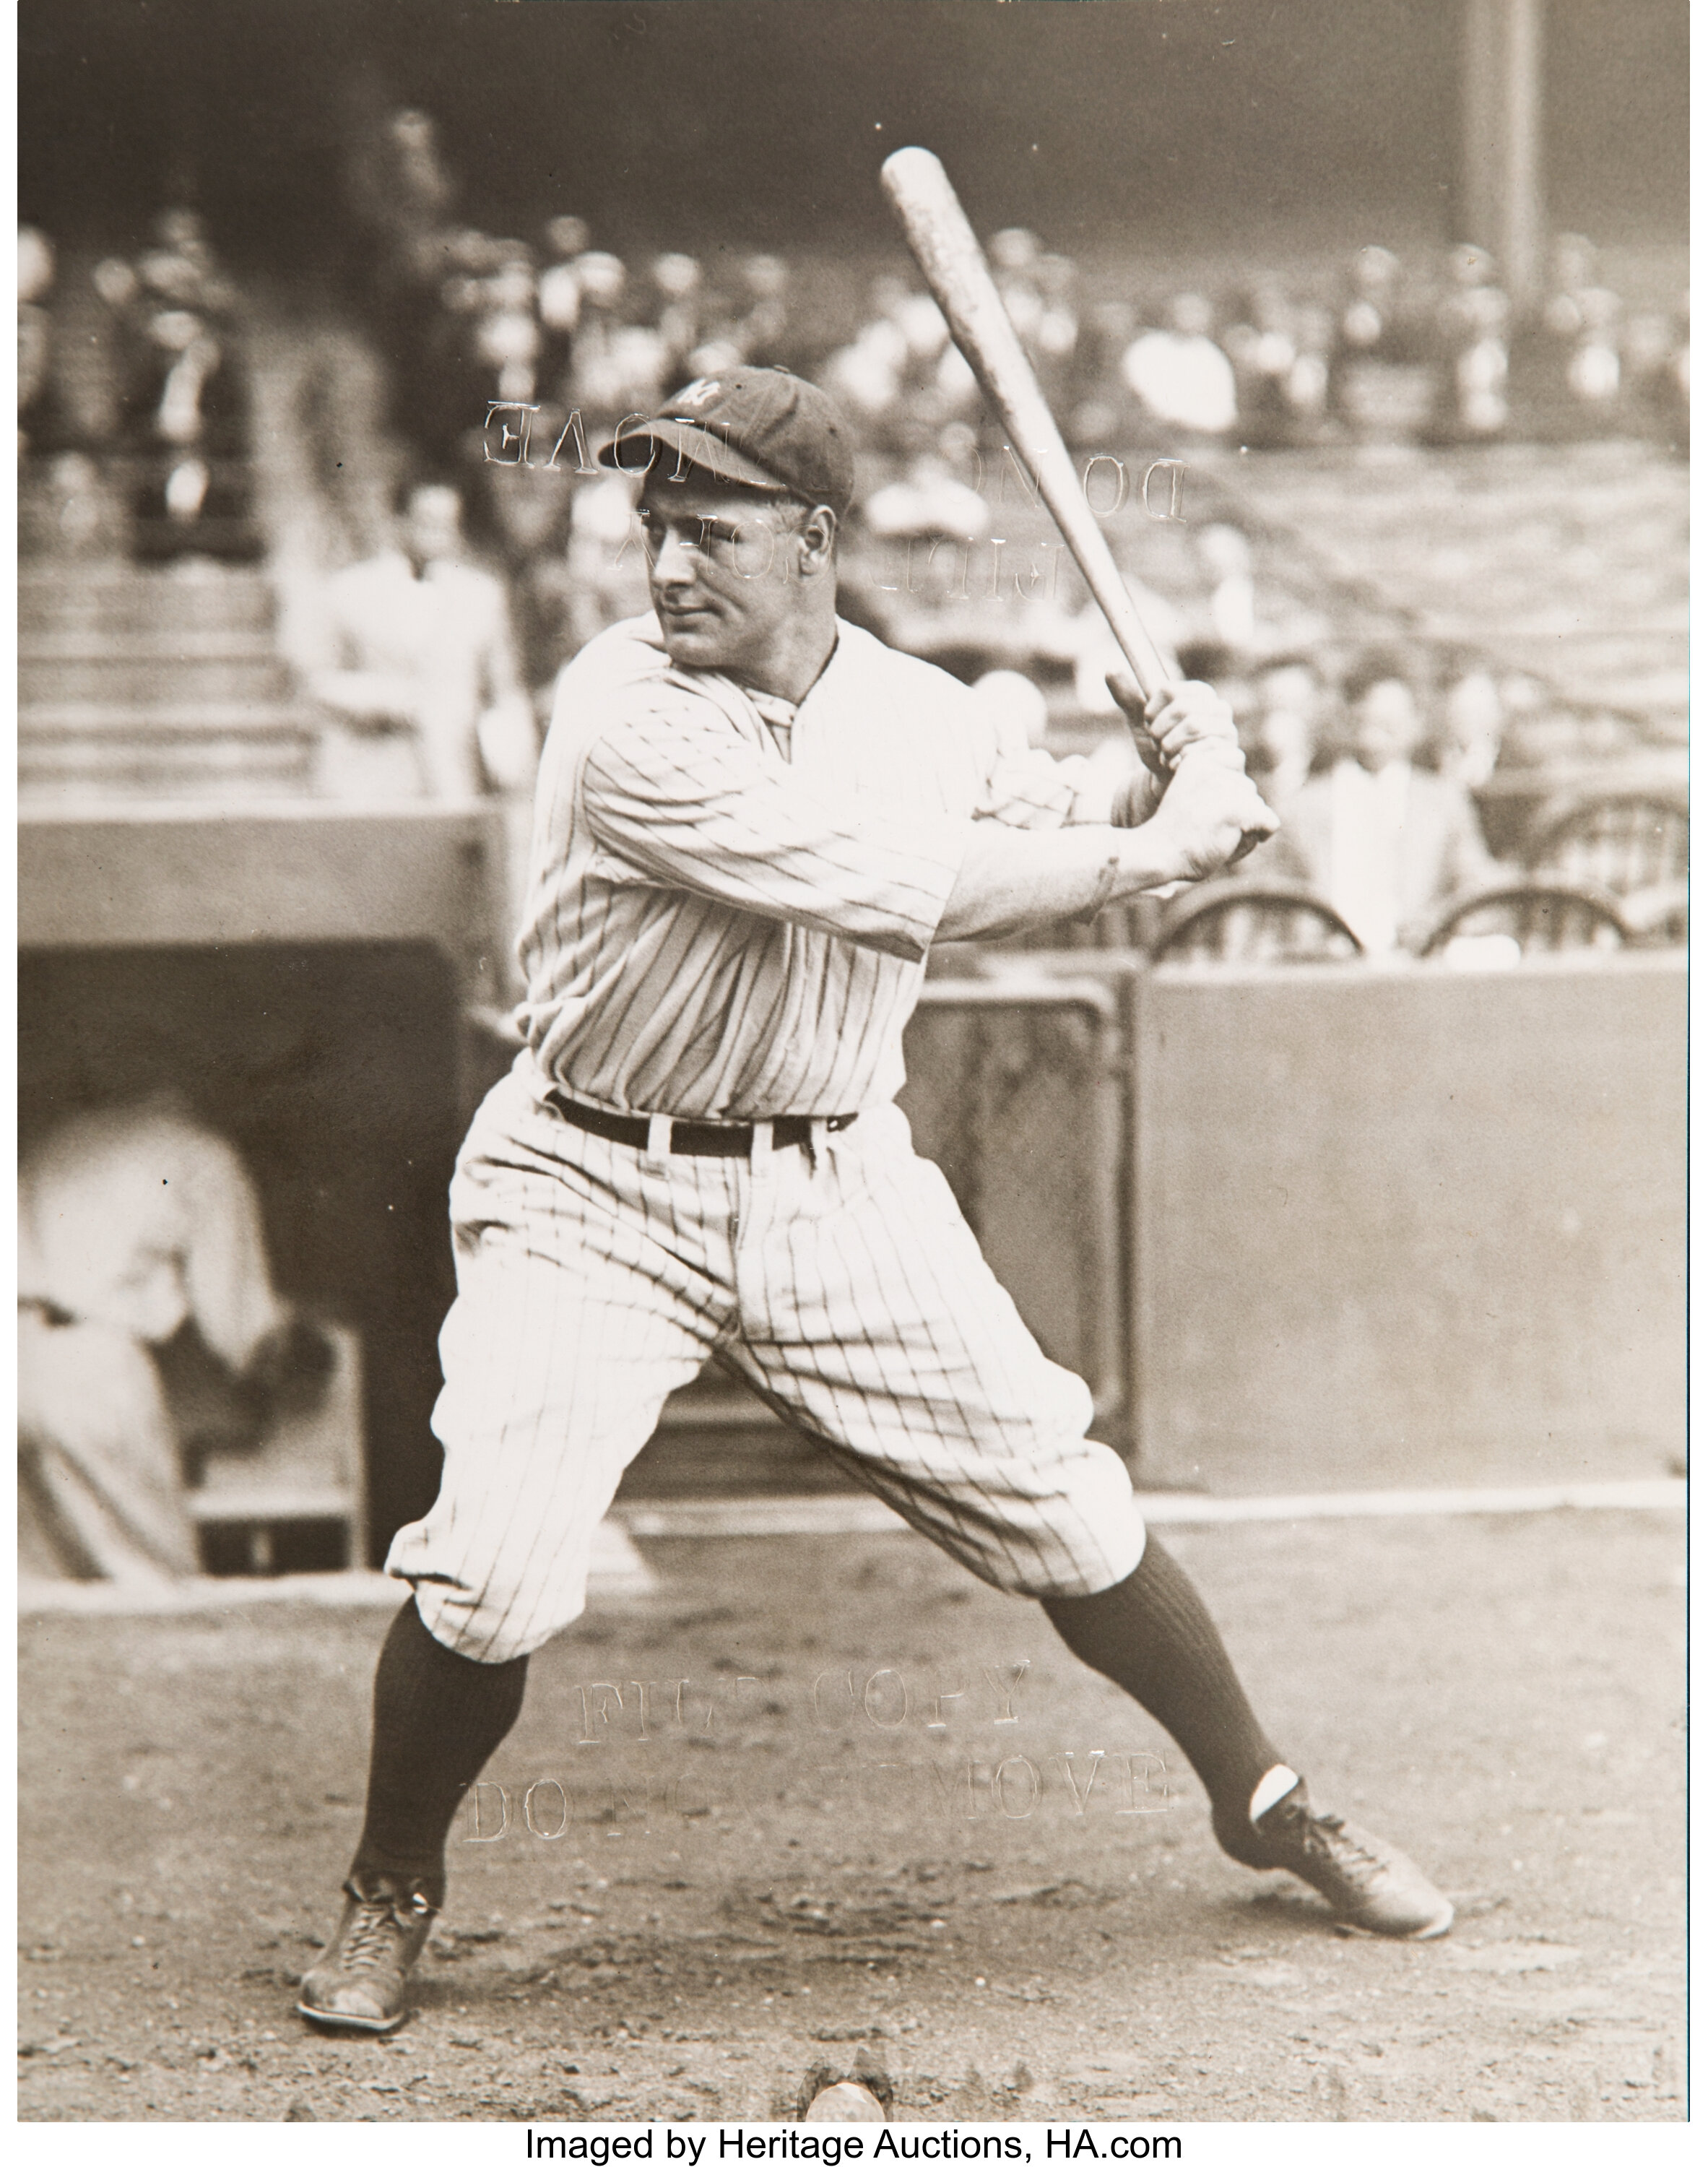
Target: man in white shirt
column 1182, row 377
column 417, row 663
column 149, row 1326
column 1384, row 841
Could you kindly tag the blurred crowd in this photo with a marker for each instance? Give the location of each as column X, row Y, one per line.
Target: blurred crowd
column 168, row 422
column 1372, row 764
column 477, row 331
column 1429, row 350
column 509, row 360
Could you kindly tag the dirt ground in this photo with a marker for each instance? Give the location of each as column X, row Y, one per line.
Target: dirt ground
column 769, row 1883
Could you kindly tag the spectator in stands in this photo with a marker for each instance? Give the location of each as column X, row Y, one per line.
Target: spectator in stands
column 927, row 498
column 1309, row 379
column 1055, row 337
column 617, row 367
column 558, row 300
column 452, row 379
column 1280, row 352
column 1263, row 349
column 1386, row 841
column 36, row 276
column 1657, row 372
column 1382, row 385
column 1288, row 715
column 680, row 309
column 1593, row 372
column 869, row 374
column 1473, row 718
column 528, row 510
column 1370, row 327
column 1182, row 377
column 1570, row 357
column 1472, row 324
column 752, row 325
column 1014, row 255
column 401, row 194
column 400, row 188
column 184, row 394
column 74, row 515
column 150, row 1332
column 507, row 330
column 1370, row 318
column 1226, row 554
column 1106, row 410
column 414, row 658
column 901, row 376
column 1214, row 661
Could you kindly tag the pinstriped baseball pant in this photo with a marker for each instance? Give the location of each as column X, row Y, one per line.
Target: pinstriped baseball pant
column 843, row 1285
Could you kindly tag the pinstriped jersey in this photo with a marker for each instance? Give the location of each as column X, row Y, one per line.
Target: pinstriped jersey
column 730, row 899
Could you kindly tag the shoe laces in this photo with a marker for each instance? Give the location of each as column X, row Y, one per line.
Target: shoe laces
column 1330, row 1835
column 376, row 1929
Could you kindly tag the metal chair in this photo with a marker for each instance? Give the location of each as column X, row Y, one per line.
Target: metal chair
column 1541, row 916
column 1249, row 921
column 1658, row 917
column 1619, row 841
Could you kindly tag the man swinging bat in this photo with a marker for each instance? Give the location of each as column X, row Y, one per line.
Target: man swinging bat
column 752, row 821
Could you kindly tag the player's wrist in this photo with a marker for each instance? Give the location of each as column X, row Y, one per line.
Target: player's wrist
column 1134, row 800
column 1152, row 854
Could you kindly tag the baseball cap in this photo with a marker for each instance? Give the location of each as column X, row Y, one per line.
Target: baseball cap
column 758, row 428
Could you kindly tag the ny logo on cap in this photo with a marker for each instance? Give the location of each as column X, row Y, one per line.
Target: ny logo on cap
column 699, row 395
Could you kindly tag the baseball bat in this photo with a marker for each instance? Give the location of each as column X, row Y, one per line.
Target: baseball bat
column 948, row 251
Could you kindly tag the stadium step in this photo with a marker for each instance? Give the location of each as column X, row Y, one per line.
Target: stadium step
column 91, row 751
column 85, row 665
column 154, row 684
column 120, row 598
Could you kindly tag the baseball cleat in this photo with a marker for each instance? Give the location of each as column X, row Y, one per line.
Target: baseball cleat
column 1369, row 1884
column 360, row 1983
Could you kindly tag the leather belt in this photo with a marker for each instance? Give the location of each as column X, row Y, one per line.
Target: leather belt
column 696, row 1139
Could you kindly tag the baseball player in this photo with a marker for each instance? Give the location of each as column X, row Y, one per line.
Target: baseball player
column 751, row 822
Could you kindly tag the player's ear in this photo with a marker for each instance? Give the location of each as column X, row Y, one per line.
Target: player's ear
column 817, row 542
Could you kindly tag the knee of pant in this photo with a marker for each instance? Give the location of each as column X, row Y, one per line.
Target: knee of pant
column 1068, row 1554
column 495, row 1626
column 1093, row 1577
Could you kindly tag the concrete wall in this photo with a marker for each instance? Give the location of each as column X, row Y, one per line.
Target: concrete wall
column 1421, row 1228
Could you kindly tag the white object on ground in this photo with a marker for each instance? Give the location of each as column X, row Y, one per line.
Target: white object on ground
column 847, row 2101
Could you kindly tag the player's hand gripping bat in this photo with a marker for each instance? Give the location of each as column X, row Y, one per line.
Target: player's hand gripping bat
column 948, row 251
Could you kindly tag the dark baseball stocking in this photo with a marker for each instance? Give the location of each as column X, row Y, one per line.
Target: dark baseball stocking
column 438, row 1718
column 1152, row 1634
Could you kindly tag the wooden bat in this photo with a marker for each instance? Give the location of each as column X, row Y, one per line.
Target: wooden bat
column 947, row 252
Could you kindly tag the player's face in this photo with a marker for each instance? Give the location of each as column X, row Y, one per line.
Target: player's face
column 724, row 569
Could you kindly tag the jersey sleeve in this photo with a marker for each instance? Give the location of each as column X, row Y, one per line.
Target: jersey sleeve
column 1033, row 789
column 675, row 798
